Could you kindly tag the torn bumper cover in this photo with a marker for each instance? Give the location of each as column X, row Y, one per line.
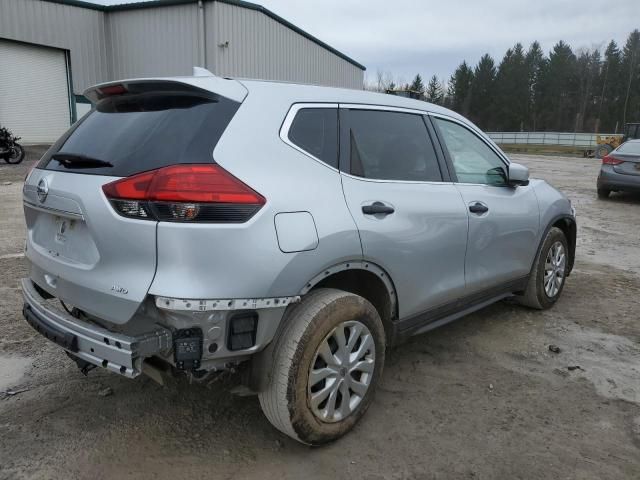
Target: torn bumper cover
column 117, row 352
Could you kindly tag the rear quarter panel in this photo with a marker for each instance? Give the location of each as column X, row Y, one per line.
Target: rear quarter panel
column 245, row 260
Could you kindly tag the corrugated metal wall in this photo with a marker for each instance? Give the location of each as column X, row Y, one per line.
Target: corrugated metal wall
column 153, row 41
column 260, row 47
column 79, row 30
column 164, row 40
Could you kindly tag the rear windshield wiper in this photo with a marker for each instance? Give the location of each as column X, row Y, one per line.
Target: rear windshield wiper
column 74, row 160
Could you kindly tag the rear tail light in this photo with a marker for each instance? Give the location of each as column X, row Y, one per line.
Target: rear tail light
column 184, row 193
column 611, row 160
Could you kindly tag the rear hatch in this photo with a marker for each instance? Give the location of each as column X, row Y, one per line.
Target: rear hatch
column 81, row 248
column 626, row 158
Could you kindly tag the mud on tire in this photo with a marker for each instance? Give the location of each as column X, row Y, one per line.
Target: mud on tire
column 286, row 401
column 535, row 295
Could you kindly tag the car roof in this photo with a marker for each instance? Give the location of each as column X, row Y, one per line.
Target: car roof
column 296, row 92
column 237, row 89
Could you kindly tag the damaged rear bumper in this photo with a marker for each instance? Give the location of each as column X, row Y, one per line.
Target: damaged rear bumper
column 119, row 353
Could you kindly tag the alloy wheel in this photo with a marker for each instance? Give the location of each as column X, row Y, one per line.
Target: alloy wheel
column 554, row 269
column 341, row 371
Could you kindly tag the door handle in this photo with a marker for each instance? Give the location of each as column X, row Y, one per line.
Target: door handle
column 377, row 208
column 478, row 207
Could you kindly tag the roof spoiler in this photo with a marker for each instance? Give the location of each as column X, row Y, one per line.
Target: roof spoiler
column 202, row 72
column 202, row 79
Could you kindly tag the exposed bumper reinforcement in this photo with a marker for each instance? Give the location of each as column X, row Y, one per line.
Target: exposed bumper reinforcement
column 117, row 352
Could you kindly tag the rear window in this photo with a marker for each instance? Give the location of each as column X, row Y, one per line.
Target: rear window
column 315, row 130
column 128, row 134
column 630, row 147
column 632, row 130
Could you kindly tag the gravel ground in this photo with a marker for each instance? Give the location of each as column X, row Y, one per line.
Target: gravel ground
column 482, row 398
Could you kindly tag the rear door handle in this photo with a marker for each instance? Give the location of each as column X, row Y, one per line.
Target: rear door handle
column 478, row 207
column 377, row 208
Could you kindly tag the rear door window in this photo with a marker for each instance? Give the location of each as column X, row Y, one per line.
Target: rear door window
column 315, row 130
column 128, row 134
column 387, row 145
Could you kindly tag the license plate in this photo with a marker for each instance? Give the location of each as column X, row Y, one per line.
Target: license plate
column 64, row 228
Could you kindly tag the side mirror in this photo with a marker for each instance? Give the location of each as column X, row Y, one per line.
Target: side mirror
column 518, row 175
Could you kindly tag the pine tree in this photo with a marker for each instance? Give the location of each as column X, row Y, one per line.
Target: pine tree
column 417, row 85
column 481, row 106
column 611, row 91
column 559, row 90
column 631, row 75
column 535, row 63
column 459, row 91
column 588, row 76
column 434, row 92
column 512, row 90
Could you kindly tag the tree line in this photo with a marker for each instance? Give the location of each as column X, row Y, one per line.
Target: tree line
column 582, row 91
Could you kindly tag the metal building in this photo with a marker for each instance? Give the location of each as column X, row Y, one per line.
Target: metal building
column 52, row 50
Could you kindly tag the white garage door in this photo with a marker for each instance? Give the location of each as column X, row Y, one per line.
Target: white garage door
column 34, row 94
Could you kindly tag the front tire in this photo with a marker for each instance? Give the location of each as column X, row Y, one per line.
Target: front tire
column 327, row 363
column 549, row 272
column 603, row 193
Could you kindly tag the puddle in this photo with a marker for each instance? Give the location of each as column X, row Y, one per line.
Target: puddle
column 610, row 362
column 12, row 369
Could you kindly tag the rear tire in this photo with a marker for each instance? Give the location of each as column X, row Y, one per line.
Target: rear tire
column 16, row 155
column 300, row 377
column 603, row 193
column 549, row 272
column 603, row 150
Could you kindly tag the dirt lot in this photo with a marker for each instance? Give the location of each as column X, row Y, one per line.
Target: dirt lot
column 483, row 398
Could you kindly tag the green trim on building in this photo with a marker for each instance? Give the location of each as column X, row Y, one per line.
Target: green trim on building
column 82, row 99
column 71, row 95
column 238, row 3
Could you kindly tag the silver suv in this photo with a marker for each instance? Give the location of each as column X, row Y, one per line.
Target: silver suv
column 292, row 232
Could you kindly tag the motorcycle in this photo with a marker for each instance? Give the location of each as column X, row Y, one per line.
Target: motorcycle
column 10, row 150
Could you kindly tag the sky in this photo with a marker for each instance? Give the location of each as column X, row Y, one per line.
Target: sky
column 433, row 37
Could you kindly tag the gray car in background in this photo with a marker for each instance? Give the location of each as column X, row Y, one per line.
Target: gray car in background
column 620, row 170
column 293, row 232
